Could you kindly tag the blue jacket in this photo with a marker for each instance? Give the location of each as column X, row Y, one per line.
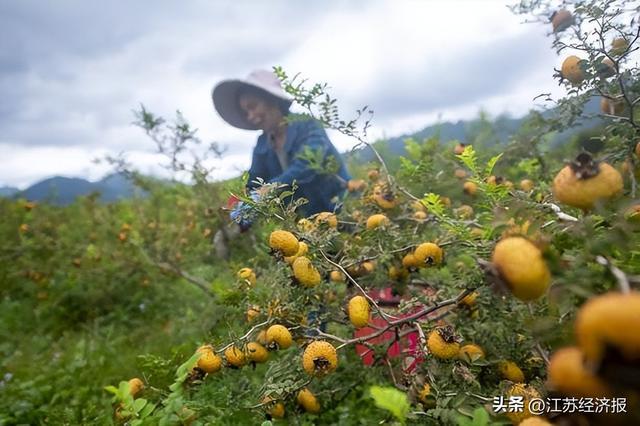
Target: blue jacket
column 320, row 189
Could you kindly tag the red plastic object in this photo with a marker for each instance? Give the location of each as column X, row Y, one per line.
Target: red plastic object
column 407, row 345
column 232, row 201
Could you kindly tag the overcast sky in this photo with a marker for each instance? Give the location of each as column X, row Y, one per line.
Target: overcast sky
column 71, row 72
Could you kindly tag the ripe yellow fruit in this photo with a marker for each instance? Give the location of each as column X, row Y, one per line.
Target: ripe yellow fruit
column 319, row 358
column 274, row 408
column 256, row 352
column 308, row 401
column 209, row 362
column 252, row 313
column 428, row 254
column 262, row 337
column 305, row 273
column 234, row 356
column 279, row 337
column 398, row 274
column 561, row 20
column 373, row 174
column 526, row 185
column 384, row 197
column 611, row 319
column 470, row 299
column 571, row 70
column 410, row 261
column 522, row 267
column 535, row 421
column 377, row 220
column 464, row 212
column 569, row 376
column 459, row 148
column 135, row 386
column 284, row 242
column 327, row 217
column 247, row 275
column 359, row 311
column 471, row 353
column 419, row 216
column 417, row 206
column 337, row 277
column 442, row 343
column 356, row 185
column 23, row 228
column 509, row 370
column 638, row 150
column 619, row 46
column 585, row 182
column 303, row 248
column 527, row 393
column 460, row 173
column 470, row 188
column 612, row 106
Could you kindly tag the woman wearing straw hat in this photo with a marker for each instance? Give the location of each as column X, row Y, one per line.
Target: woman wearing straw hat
column 259, row 103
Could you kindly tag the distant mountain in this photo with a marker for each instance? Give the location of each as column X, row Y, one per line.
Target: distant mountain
column 8, row 191
column 503, row 126
column 63, row 190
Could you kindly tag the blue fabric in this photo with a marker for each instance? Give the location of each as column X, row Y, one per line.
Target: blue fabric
column 244, row 214
column 318, row 188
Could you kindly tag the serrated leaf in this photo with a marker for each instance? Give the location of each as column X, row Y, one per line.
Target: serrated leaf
column 391, row 399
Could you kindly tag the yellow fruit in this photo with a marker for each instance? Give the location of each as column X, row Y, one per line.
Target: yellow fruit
column 274, row 408
column 235, row 357
column 256, row 352
column 358, row 311
column 337, row 277
column 279, row 337
column 29, row 205
column 305, row 273
column 284, row 242
column 522, row 267
column 135, row 386
column 420, row 216
column 308, row 401
column 262, row 338
column 535, row 421
column 446, row 201
column 319, row 358
column 585, row 182
column 471, row 353
column 303, row 248
column 247, row 275
column 619, row 46
column 509, row 370
column 417, row 206
column 460, row 173
column 442, row 343
column 397, row 274
column 561, row 20
column 356, row 185
column 252, row 313
column 609, row 320
column 637, row 150
column 470, row 188
column 377, row 220
column 24, row 228
column 612, row 106
column 428, row 254
column 633, row 213
column 373, row 175
column 459, row 148
column 470, row 299
column 571, row 70
column 568, row 375
column 526, row 185
column 327, row 217
column 384, row 197
column 527, row 393
column 464, row 212
column 209, row 362
column 424, row 394
column 410, row 261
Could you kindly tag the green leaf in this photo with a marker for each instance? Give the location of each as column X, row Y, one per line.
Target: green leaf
column 469, row 159
column 139, row 404
column 391, row 399
column 111, row 389
column 491, row 164
column 266, row 423
column 148, row 409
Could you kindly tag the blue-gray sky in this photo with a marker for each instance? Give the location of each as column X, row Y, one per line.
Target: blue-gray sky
column 72, row 71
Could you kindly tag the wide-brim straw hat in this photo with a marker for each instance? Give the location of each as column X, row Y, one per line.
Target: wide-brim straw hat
column 225, row 96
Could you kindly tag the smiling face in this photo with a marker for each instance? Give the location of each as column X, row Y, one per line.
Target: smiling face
column 260, row 112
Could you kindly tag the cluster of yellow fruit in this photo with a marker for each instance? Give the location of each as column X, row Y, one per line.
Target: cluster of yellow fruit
column 424, row 255
column 284, row 243
column 606, row 329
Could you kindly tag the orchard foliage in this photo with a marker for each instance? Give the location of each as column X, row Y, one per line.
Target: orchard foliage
column 452, row 275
